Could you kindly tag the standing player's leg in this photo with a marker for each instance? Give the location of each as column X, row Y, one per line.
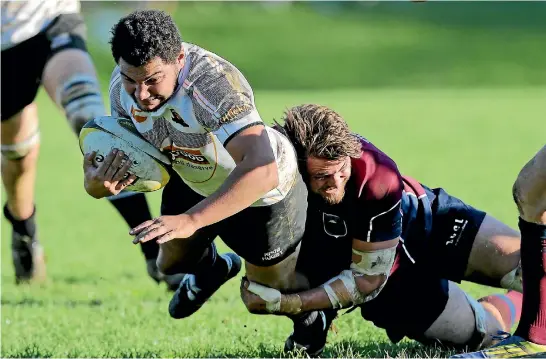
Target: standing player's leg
column 71, row 81
column 20, row 146
column 21, row 67
column 530, row 196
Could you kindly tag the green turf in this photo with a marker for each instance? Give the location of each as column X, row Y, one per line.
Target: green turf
column 99, row 301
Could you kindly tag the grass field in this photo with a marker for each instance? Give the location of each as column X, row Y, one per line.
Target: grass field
column 99, row 301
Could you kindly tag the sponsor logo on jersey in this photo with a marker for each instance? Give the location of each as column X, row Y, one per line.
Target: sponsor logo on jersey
column 178, row 119
column 233, row 112
column 137, row 117
column 456, row 231
column 186, row 154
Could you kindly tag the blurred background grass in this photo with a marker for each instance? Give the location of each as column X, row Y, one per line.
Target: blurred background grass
column 324, row 45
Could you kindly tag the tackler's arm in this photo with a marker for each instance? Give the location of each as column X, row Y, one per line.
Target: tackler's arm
column 370, row 268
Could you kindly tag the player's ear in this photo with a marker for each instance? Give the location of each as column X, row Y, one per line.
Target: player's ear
column 180, row 58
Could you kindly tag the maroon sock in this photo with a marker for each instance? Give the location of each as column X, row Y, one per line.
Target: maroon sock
column 532, row 325
column 508, row 305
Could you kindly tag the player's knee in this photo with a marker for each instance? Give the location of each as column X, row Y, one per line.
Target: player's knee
column 22, row 152
column 513, row 280
column 531, row 203
column 81, row 99
column 518, row 190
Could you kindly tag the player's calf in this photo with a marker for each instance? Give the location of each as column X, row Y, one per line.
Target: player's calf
column 466, row 322
column 19, row 161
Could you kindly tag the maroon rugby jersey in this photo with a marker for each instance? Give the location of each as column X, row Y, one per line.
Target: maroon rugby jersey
column 377, row 188
column 379, row 204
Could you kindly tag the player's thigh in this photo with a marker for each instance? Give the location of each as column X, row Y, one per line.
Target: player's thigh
column 529, row 189
column 455, row 225
column 464, row 322
column 183, row 254
column 268, row 237
column 495, row 251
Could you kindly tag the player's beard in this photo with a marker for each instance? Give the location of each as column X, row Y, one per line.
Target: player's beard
column 333, row 198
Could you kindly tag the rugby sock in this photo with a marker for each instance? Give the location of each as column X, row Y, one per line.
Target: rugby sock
column 532, row 325
column 25, row 227
column 211, row 270
column 508, row 305
column 134, row 209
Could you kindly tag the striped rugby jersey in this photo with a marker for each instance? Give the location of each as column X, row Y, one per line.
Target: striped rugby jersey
column 212, row 103
column 22, row 20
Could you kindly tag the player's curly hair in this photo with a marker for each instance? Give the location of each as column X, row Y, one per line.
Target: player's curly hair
column 144, row 35
column 319, row 131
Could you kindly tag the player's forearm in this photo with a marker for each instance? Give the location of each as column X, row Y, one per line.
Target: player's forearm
column 317, row 298
column 313, row 299
column 247, row 183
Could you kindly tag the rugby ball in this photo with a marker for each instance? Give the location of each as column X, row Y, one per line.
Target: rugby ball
column 105, row 133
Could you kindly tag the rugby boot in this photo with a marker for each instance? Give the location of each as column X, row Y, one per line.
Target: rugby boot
column 172, row 280
column 28, row 258
column 189, row 297
column 310, row 339
column 511, row 346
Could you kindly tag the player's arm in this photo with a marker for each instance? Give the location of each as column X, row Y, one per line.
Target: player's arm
column 254, row 175
column 354, row 286
column 373, row 254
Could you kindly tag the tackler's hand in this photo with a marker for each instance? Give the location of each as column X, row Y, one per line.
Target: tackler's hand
column 260, row 299
column 109, row 177
column 254, row 303
column 165, row 228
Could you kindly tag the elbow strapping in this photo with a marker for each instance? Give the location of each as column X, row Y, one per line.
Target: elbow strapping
column 352, row 288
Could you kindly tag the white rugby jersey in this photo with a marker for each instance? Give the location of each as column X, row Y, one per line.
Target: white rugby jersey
column 211, row 104
column 22, row 20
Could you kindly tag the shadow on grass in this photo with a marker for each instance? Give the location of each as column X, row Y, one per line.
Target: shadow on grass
column 31, row 302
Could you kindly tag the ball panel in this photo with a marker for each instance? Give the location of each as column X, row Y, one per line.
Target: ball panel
column 151, row 173
column 124, row 128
